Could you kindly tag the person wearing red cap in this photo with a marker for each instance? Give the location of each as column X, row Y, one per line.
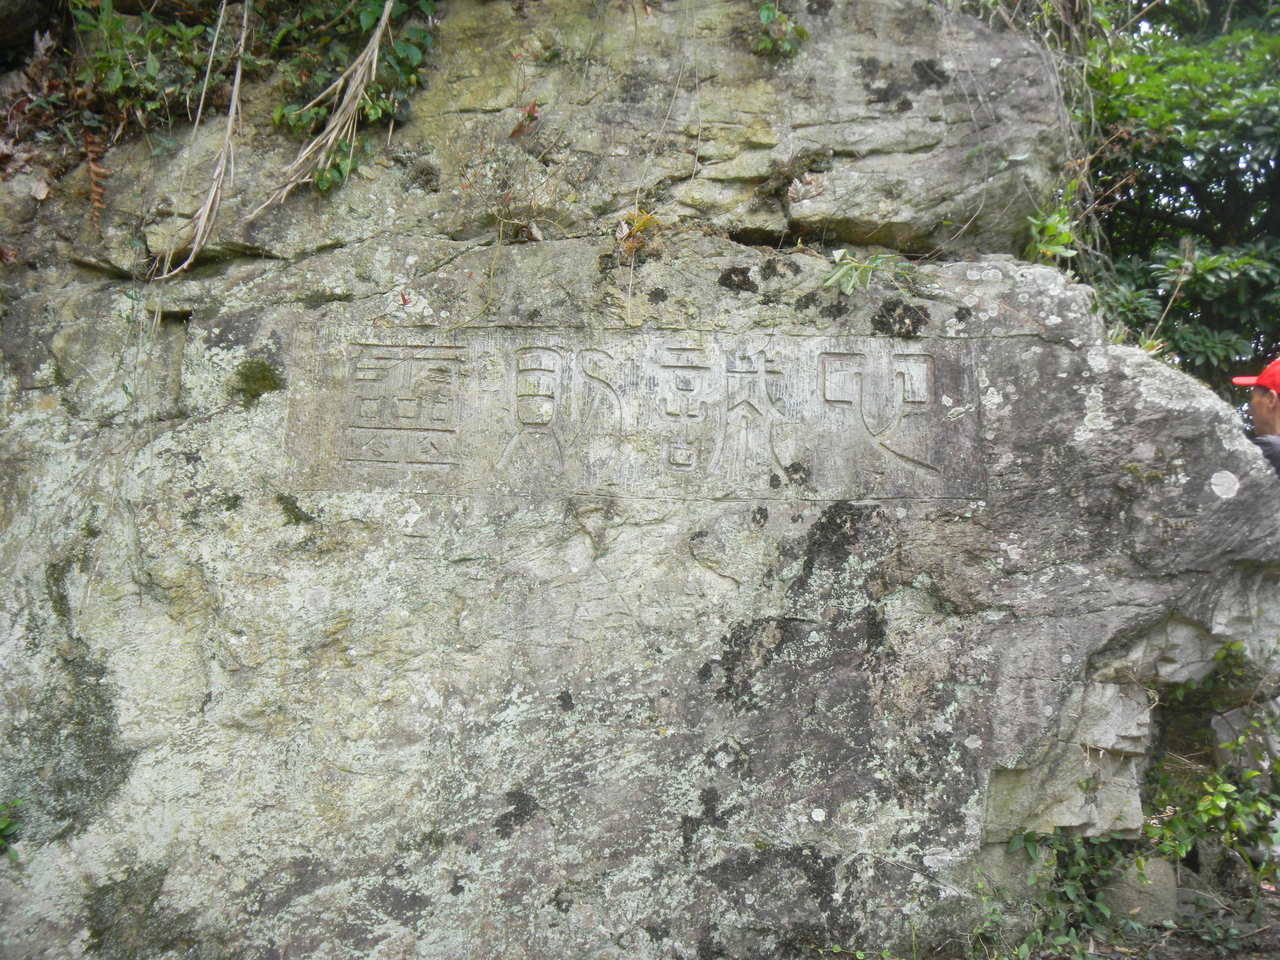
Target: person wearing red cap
column 1264, row 406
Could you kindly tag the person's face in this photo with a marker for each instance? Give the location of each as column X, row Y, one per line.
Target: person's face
column 1264, row 406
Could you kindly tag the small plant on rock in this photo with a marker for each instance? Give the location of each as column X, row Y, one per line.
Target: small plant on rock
column 780, row 36
column 850, row 273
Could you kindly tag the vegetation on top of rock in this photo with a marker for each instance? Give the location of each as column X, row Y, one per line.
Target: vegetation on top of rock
column 103, row 73
column 1173, row 196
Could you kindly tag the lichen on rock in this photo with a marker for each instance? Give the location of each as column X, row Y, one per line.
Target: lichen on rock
column 457, row 593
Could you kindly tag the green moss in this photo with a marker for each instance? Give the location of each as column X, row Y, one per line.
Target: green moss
column 293, row 514
column 126, row 920
column 70, row 760
column 231, row 501
column 1141, row 474
column 253, row 378
column 55, row 580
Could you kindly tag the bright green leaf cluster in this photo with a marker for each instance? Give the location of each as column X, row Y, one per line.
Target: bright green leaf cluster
column 780, row 36
column 147, row 69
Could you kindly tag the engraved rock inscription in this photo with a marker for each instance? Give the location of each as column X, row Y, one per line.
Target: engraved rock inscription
column 648, row 414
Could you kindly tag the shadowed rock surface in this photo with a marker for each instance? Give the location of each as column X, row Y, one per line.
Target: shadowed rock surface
column 387, row 587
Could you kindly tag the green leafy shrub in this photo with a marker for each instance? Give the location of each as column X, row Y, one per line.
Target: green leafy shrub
column 316, row 42
column 1072, row 873
column 111, row 74
column 141, row 69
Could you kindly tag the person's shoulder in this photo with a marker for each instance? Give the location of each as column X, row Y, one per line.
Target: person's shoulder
column 1270, row 444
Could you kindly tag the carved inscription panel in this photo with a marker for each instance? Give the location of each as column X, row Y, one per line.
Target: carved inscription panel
column 641, row 414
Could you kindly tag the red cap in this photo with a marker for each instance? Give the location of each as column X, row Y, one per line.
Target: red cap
column 1269, row 378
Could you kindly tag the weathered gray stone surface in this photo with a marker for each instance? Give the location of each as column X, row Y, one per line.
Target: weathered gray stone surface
column 568, row 605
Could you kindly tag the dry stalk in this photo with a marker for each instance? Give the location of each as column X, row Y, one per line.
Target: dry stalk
column 225, row 166
column 346, row 93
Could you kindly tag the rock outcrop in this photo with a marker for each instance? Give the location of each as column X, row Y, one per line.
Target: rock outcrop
column 427, row 574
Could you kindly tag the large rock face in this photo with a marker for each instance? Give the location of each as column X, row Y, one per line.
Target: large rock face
column 567, row 603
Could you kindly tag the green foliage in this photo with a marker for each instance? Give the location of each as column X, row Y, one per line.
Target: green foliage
column 315, row 42
column 1053, row 235
column 780, row 36
column 1233, row 805
column 9, row 828
column 121, row 73
column 1071, row 873
column 141, row 69
column 1185, row 108
column 343, row 165
column 850, row 273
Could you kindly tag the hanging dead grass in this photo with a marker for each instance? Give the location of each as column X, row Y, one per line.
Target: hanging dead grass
column 346, row 93
column 224, row 167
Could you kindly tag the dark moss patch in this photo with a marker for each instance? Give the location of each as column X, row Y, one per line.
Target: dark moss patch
column 230, row 501
column 819, row 8
column 739, row 279
column 809, row 299
column 798, row 473
column 886, row 83
column 55, row 582
column 930, row 73
column 253, row 378
column 72, row 761
column 760, row 516
column 817, row 872
column 897, row 318
column 293, row 514
column 523, row 808
column 657, row 295
column 125, row 922
column 776, row 267
column 657, row 932
column 832, row 538
column 834, row 311
column 565, row 699
column 963, row 314
column 711, row 816
column 322, row 298
column 747, row 649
